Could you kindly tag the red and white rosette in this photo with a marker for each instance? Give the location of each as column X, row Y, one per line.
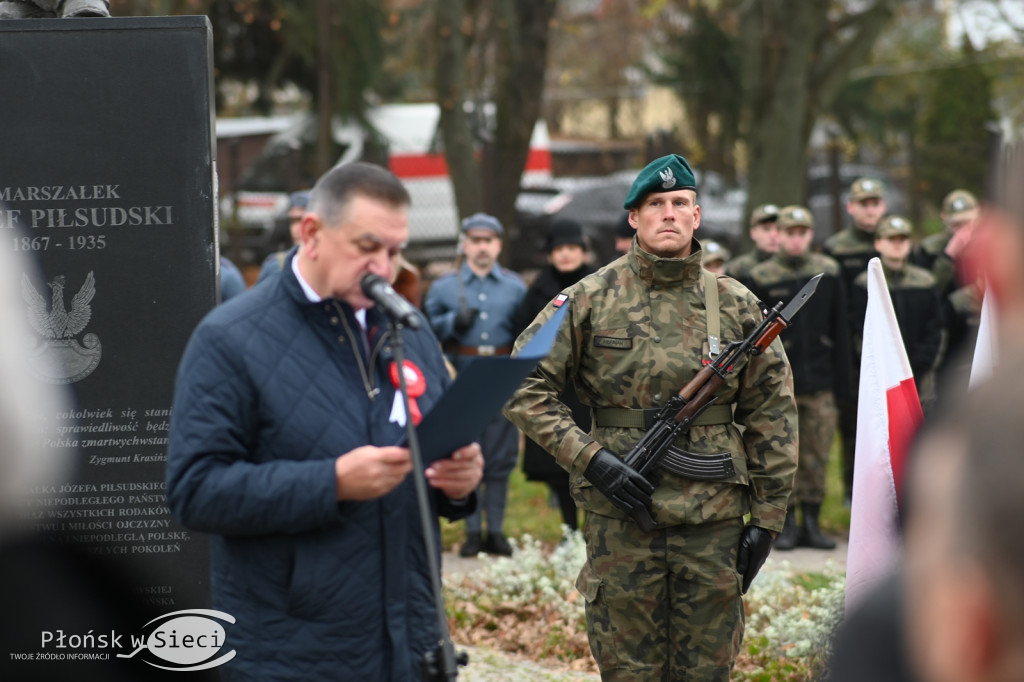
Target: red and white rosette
column 415, row 383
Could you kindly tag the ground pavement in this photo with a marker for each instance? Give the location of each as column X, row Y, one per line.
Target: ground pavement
column 801, row 560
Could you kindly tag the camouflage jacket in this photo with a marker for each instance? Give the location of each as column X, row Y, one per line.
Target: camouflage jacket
column 740, row 266
column 930, row 254
column 852, row 248
column 918, row 311
column 929, row 248
column 634, row 334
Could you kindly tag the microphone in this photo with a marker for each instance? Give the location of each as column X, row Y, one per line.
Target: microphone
column 390, row 301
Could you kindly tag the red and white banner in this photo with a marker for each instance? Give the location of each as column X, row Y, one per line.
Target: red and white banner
column 888, row 416
column 986, row 355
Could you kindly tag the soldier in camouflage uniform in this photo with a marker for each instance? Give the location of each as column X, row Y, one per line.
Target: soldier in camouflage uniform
column 715, row 257
column 664, row 604
column 962, row 310
column 940, row 253
column 764, row 232
column 852, row 248
column 816, row 342
column 915, row 303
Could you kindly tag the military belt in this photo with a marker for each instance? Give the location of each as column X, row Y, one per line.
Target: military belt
column 627, row 418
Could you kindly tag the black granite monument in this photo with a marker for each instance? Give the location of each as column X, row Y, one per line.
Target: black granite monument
column 107, row 178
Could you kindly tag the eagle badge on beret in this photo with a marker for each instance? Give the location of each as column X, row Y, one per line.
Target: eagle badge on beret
column 668, row 181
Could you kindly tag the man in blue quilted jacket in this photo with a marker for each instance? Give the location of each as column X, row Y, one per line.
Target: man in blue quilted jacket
column 282, row 449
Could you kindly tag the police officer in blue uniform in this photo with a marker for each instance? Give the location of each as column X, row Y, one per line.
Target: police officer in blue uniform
column 472, row 311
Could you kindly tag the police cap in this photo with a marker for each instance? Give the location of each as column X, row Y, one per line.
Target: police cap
column 712, row 251
column 791, row 216
column 867, row 188
column 894, row 226
column 299, row 199
column 763, row 214
column 483, row 221
column 958, row 204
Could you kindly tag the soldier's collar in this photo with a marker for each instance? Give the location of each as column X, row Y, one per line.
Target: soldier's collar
column 891, row 272
column 665, row 271
column 792, row 261
column 468, row 275
column 864, row 235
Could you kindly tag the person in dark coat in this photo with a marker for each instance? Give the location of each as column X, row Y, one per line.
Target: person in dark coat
column 915, row 300
column 471, row 311
column 567, row 254
column 816, row 345
column 283, row 449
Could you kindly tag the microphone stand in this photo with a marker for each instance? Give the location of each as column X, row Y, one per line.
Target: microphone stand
column 443, row 662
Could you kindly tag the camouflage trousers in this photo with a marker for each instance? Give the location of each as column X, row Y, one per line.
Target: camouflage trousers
column 817, row 415
column 663, row 605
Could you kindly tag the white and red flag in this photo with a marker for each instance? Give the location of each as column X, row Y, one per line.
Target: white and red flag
column 888, row 416
column 986, row 355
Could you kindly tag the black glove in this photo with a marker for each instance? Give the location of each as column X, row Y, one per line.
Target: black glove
column 627, row 490
column 464, row 320
column 755, row 544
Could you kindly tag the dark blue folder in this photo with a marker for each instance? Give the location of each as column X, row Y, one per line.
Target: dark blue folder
column 479, row 392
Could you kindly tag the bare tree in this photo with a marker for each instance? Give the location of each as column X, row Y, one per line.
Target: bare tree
column 596, row 52
column 453, row 33
column 523, row 27
column 796, row 57
column 511, row 38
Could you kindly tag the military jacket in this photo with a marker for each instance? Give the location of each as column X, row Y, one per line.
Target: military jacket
column 918, row 311
column 497, row 295
column 817, row 341
column 739, row 267
column 634, row 334
column 852, row 248
column 930, row 254
column 963, row 318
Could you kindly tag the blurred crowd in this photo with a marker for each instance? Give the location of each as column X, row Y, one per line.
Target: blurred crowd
column 935, row 285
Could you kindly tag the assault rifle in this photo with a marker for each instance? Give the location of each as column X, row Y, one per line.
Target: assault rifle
column 655, row 449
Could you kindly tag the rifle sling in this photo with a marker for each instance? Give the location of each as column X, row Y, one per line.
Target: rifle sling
column 628, row 418
column 711, row 316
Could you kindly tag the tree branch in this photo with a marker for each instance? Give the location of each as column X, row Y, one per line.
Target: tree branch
column 829, row 75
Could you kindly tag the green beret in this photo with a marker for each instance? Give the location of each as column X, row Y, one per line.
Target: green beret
column 666, row 174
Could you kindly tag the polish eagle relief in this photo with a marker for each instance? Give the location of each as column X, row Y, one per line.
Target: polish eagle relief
column 60, row 358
